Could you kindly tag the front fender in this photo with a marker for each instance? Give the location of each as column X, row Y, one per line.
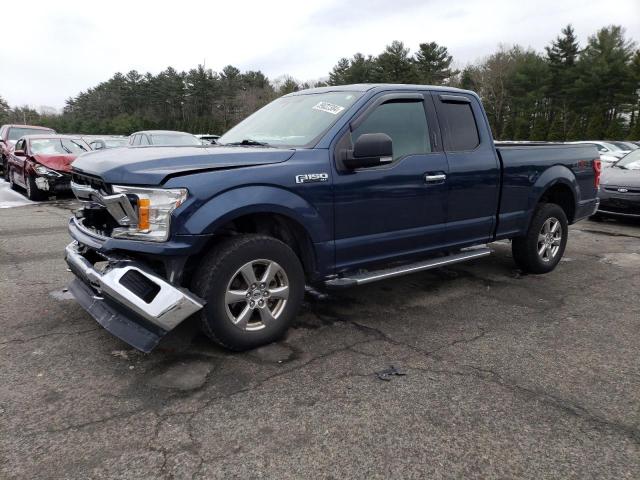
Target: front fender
column 235, row 203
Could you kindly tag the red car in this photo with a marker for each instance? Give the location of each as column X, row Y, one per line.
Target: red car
column 9, row 135
column 41, row 164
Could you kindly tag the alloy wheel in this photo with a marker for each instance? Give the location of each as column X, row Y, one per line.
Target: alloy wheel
column 257, row 294
column 549, row 239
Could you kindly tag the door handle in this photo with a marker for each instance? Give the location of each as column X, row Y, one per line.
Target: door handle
column 436, row 178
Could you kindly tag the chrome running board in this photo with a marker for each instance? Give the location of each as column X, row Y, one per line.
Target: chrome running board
column 374, row 276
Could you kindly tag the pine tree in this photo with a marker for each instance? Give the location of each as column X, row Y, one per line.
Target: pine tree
column 596, row 126
column 433, row 64
column 396, row 65
column 615, row 130
column 338, row 76
column 561, row 58
column 556, row 129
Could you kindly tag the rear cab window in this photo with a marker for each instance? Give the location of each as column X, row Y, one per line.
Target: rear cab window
column 458, row 123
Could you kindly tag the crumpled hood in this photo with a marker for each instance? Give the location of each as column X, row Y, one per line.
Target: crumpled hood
column 152, row 165
column 619, row 177
column 60, row 163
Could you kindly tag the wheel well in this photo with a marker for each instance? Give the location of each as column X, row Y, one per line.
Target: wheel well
column 275, row 225
column 561, row 195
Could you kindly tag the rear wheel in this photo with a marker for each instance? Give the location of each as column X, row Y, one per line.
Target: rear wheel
column 254, row 286
column 33, row 192
column 541, row 249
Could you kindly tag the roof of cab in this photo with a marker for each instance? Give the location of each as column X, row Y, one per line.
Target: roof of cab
column 378, row 87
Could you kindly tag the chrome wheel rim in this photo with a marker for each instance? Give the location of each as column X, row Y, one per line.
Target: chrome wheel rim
column 549, row 239
column 257, row 295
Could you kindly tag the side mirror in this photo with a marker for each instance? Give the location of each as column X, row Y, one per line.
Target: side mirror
column 19, row 153
column 370, row 150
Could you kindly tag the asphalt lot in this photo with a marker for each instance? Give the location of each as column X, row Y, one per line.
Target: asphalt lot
column 506, row 375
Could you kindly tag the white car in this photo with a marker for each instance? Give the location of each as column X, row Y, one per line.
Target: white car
column 607, row 149
column 608, row 160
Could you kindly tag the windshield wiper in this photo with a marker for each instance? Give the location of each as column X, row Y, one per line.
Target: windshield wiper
column 248, row 141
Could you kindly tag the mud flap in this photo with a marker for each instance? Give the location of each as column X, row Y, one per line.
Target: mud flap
column 116, row 322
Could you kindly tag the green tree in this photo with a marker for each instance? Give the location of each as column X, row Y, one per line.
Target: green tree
column 433, row 64
column 5, row 110
column 605, row 84
column 561, row 57
column 396, row 65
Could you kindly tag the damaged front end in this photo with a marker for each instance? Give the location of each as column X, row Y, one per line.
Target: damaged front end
column 127, row 299
column 124, row 294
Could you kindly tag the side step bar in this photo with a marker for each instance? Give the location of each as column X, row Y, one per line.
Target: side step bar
column 374, row 276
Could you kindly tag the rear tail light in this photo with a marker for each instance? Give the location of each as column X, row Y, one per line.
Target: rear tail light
column 597, row 169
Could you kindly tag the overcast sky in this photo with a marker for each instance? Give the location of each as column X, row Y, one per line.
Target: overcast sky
column 51, row 50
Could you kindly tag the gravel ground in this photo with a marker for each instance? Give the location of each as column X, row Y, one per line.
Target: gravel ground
column 505, row 375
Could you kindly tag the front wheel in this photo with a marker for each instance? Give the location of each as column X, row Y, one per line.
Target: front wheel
column 5, row 169
column 12, row 183
column 33, row 192
column 254, row 286
column 541, row 249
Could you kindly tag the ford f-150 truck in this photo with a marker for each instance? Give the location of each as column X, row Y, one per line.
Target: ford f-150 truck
column 329, row 187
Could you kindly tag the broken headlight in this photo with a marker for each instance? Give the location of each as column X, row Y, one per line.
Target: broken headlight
column 153, row 207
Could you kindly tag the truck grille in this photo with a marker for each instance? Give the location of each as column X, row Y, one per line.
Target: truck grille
column 90, row 181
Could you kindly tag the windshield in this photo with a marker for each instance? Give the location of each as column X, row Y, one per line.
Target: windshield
column 631, row 161
column 622, row 145
column 173, row 139
column 113, row 143
column 291, row 121
column 611, row 146
column 58, row 146
column 16, row 132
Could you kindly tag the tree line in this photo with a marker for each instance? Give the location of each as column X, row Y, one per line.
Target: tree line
column 567, row 92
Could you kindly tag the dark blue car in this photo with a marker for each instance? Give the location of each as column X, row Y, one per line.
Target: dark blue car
column 329, row 187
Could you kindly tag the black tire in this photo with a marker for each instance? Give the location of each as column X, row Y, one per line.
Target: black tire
column 221, row 267
column 12, row 184
column 526, row 249
column 33, row 192
column 5, row 169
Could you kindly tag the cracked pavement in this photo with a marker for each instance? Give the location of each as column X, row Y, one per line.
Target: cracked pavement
column 507, row 375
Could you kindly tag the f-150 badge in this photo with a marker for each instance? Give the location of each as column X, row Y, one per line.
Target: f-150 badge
column 312, row 177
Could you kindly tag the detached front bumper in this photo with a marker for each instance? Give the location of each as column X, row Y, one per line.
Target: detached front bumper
column 127, row 298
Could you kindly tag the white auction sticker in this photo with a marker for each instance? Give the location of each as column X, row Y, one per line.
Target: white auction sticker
column 328, row 107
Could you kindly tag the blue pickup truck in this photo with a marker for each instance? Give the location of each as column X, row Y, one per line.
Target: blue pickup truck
column 324, row 188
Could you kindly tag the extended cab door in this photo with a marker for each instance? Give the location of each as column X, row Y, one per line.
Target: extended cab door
column 397, row 209
column 473, row 181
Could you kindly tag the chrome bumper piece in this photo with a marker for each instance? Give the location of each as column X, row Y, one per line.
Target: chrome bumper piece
column 118, row 205
column 168, row 307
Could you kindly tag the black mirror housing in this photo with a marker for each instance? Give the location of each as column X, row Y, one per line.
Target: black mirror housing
column 370, row 150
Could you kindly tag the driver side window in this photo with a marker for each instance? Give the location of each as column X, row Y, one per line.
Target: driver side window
column 406, row 124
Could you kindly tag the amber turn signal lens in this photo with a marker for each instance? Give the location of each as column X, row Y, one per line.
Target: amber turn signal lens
column 143, row 213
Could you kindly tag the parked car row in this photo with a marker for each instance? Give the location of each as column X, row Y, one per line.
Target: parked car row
column 620, row 188
column 38, row 161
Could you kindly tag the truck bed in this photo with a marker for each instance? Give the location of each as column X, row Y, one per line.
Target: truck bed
column 527, row 165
